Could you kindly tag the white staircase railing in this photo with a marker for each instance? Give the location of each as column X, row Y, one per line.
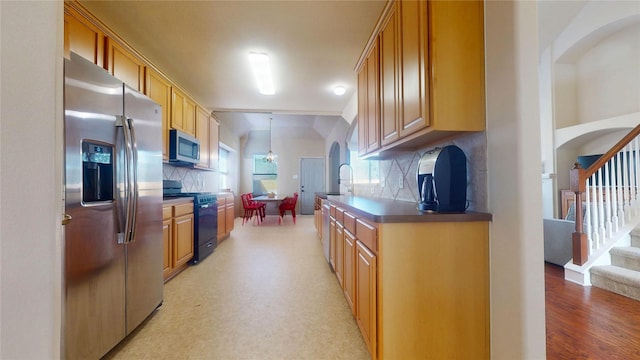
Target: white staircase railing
column 609, row 191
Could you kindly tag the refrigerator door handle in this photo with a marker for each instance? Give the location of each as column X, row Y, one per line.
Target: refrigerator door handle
column 124, row 235
column 134, row 178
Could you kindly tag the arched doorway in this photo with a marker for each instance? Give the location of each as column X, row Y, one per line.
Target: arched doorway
column 334, row 164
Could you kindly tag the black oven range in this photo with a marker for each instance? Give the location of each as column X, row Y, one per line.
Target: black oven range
column 205, row 212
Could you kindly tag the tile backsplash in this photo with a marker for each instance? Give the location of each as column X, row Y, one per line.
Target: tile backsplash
column 192, row 180
column 398, row 178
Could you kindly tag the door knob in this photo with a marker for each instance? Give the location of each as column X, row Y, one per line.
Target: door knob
column 66, row 218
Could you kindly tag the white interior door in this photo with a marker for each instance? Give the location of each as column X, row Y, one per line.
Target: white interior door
column 311, row 181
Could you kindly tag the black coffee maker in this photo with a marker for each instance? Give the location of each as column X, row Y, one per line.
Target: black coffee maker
column 442, row 180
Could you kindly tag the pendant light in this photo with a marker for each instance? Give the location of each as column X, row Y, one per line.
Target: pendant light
column 271, row 157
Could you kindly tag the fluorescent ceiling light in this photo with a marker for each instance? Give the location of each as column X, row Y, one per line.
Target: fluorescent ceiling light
column 262, row 72
column 339, row 90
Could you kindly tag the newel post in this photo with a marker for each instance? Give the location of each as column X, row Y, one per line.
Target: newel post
column 577, row 183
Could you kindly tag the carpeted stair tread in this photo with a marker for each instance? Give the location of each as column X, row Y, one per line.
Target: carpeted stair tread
column 626, row 257
column 622, row 281
column 635, row 238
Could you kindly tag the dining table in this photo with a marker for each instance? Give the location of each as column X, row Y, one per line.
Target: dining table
column 272, row 203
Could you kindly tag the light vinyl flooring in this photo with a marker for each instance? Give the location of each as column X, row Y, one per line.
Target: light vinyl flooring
column 266, row 292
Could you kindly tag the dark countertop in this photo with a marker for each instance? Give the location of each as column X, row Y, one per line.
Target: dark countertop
column 394, row 211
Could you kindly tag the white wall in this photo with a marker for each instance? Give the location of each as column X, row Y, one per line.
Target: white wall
column 608, row 77
column 564, row 95
column 31, row 188
column 513, row 128
column 288, row 148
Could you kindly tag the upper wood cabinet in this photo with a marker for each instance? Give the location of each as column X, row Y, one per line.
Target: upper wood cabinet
column 413, row 62
column 389, row 87
column 431, row 74
column 189, row 116
column 183, row 112
column 124, row 65
column 203, row 134
column 83, row 37
column 87, row 36
column 369, row 103
column 158, row 88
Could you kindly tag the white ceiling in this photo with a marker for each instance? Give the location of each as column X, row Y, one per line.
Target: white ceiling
column 203, row 46
column 314, row 45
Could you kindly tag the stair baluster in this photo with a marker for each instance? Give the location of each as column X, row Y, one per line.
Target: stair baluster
column 611, row 199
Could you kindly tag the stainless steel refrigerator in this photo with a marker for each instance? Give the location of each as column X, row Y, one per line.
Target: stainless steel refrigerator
column 113, row 199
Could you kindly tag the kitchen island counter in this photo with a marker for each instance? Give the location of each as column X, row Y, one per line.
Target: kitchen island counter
column 395, row 211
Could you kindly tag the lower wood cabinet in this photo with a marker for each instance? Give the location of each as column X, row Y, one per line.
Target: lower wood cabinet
column 418, row 290
column 177, row 231
column 349, row 277
column 339, row 264
column 226, row 215
column 332, row 242
column 366, row 295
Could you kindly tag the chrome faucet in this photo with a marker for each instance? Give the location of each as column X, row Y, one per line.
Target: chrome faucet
column 350, row 179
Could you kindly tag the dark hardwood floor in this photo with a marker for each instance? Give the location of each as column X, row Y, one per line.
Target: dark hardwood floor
column 588, row 322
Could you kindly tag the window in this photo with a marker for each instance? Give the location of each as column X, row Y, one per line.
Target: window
column 265, row 176
column 364, row 171
column 223, row 168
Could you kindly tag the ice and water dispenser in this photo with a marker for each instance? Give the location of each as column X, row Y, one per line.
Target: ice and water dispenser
column 97, row 172
column 442, row 180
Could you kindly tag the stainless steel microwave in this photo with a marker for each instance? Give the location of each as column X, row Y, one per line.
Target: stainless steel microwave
column 184, row 149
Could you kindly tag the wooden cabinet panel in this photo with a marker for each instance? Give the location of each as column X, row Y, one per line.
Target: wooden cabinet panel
column 158, row 88
column 226, row 215
column 82, row 37
column 167, row 229
column 413, row 61
column 332, row 242
column 203, row 134
column 339, row 265
column 349, row 222
column 450, row 307
column 366, row 296
column 389, row 79
column 124, row 65
column 183, row 239
column 177, row 109
column 230, row 214
column 182, row 209
column 362, row 110
column 373, row 100
column 221, row 219
column 367, row 234
column 349, row 270
column 456, row 50
column 189, row 116
column 183, row 112
column 177, row 232
column 167, row 212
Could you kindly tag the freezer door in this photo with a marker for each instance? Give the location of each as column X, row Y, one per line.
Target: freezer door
column 94, row 298
column 145, row 252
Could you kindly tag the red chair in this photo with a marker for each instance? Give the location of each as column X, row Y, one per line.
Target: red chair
column 251, row 208
column 289, row 204
column 260, row 205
